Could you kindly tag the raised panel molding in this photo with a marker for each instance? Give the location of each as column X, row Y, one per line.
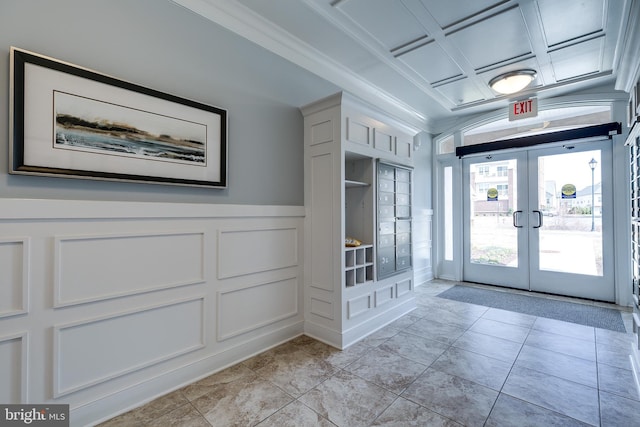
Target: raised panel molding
column 404, row 148
column 105, row 304
column 319, row 242
column 92, row 351
column 383, row 141
column 383, row 295
column 117, row 265
column 322, row 308
column 404, row 287
column 322, row 132
column 14, row 281
column 357, row 306
column 13, row 368
column 243, row 251
column 358, row 132
column 241, row 310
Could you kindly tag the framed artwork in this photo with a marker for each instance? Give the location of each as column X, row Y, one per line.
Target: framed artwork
column 68, row 121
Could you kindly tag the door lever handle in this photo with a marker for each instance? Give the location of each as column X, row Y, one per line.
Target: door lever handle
column 515, row 220
column 539, row 219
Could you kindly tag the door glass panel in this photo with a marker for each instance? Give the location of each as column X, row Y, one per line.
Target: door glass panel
column 493, row 206
column 570, row 211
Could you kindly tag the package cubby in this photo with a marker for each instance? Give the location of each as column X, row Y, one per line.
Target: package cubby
column 358, row 262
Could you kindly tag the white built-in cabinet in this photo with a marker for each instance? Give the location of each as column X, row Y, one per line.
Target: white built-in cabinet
column 348, row 294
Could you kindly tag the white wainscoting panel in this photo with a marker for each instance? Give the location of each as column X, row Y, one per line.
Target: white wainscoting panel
column 322, row 308
column 357, row 306
column 249, row 308
column 128, row 264
column 383, row 141
column 383, row 295
column 321, row 243
column 13, row 369
column 403, row 287
column 107, row 305
column 404, row 148
column 14, row 276
column 92, row 351
column 358, row 132
column 322, row 132
column 243, row 251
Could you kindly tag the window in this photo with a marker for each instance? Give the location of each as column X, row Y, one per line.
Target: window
column 503, row 190
column 503, row 171
column 545, row 121
column 446, row 146
column 483, row 170
column 482, row 187
column 448, row 213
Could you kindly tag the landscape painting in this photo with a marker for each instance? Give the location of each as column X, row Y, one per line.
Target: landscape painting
column 67, row 121
column 91, row 125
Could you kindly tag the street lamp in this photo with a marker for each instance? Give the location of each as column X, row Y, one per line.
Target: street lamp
column 592, row 165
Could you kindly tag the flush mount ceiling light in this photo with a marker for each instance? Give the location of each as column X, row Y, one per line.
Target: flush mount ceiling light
column 513, row 81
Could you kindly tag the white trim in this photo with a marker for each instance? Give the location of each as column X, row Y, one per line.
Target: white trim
column 22, row 209
column 26, row 277
column 243, row 21
column 24, row 362
column 627, row 58
column 454, row 271
column 471, row 122
column 59, row 302
column 59, row 391
column 221, row 336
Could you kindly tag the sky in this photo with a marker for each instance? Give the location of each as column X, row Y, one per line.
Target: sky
column 572, row 168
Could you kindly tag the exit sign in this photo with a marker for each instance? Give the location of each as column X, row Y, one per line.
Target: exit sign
column 523, row 109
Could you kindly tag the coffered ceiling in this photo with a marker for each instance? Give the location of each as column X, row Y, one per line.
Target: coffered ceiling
column 433, row 59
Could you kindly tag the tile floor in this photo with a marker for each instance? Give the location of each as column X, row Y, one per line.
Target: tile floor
column 445, row 364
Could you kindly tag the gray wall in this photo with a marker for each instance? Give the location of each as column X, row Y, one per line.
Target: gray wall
column 160, row 45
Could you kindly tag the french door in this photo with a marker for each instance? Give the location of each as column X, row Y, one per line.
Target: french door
column 541, row 219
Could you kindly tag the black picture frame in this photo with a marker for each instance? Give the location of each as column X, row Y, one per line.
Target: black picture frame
column 69, row 121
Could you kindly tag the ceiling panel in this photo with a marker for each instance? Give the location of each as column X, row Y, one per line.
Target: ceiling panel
column 297, row 19
column 403, row 89
column 496, row 39
column 450, row 12
column 576, row 18
column 460, row 92
column 432, row 63
column 578, row 59
column 374, row 17
column 434, row 58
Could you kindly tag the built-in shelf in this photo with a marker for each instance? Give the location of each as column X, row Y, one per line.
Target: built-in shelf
column 358, row 265
column 345, row 299
column 354, row 184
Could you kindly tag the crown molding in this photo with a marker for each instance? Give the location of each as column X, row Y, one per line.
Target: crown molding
column 629, row 55
column 239, row 19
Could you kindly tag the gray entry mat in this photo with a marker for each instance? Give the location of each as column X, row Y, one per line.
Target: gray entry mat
column 588, row 315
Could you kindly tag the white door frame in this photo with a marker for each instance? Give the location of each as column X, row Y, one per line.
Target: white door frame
column 526, row 274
